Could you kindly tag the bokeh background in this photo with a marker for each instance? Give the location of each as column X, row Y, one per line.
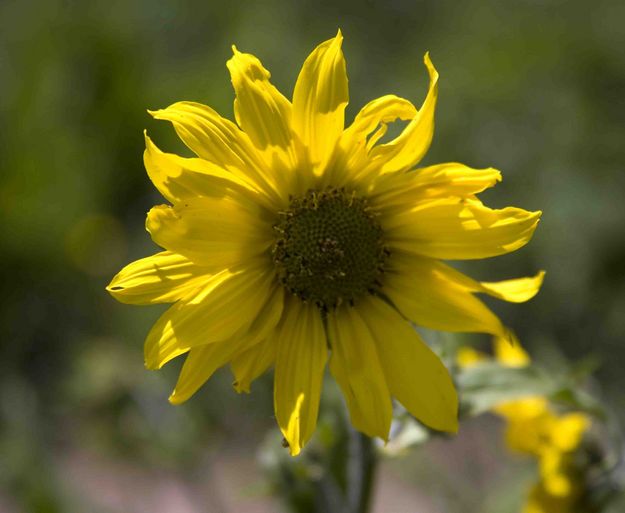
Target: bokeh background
column 534, row 88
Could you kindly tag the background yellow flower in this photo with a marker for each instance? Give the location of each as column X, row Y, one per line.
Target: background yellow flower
column 533, row 427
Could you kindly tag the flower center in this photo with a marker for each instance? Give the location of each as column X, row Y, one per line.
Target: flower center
column 329, row 248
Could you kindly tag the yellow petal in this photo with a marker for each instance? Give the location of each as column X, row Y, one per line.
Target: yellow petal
column 528, row 409
column 179, row 178
column 415, row 375
column 319, row 100
column 204, row 360
column 554, row 475
column 219, row 141
column 355, row 365
column 380, row 111
column 225, row 307
column 423, row 292
column 405, row 151
column 559, row 485
column 404, row 190
column 356, row 141
column 460, row 230
column 250, row 364
column 200, row 364
column 300, row 361
column 261, row 110
column 568, row 431
column 259, row 351
column 517, row 290
column 529, row 424
column 162, row 278
column 469, row 357
column 509, row 352
column 215, row 232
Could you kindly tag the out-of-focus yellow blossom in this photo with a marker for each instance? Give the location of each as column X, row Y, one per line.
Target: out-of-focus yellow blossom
column 541, row 501
column 467, row 357
column 534, row 428
column 510, row 354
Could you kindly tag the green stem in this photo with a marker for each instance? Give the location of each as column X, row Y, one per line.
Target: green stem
column 361, row 465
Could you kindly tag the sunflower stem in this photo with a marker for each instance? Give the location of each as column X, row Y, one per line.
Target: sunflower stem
column 360, row 472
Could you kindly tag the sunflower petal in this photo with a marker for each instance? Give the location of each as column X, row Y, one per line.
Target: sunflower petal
column 300, row 361
column 224, row 308
column 219, row 141
column 415, row 375
column 250, row 364
column 424, row 293
column 179, row 178
column 215, row 232
column 356, row 141
column 200, row 364
column 261, row 110
column 203, row 361
column 405, row 190
column 319, row 100
column 406, row 150
column 356, row 367
column 517, row 290
column 380, row 111
column 162, row 278
column 455, row 230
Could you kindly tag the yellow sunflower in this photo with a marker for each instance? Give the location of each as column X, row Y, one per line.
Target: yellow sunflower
column 294, row 242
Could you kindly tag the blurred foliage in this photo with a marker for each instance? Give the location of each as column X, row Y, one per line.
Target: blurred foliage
column 533, row 88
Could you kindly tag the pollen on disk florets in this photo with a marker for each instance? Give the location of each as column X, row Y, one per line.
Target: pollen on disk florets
column 329, row 248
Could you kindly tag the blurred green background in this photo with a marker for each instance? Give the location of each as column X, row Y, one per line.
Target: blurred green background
column 534, row 88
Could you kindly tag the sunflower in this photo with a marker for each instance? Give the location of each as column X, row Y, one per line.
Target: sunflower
column 294, row 242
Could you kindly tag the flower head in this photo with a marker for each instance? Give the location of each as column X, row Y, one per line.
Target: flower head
column 294, row 242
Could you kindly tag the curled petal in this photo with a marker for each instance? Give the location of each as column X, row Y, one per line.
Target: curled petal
column 357, row 140
column 405, row 151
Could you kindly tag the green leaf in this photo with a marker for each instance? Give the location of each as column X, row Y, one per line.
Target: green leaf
column 486, row 385
column 579, row 400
